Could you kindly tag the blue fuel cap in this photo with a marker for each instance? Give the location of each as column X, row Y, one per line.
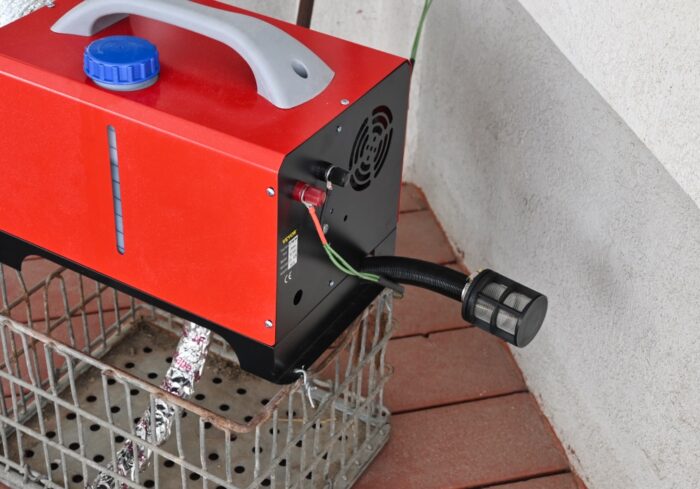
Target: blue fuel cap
column 122, row 63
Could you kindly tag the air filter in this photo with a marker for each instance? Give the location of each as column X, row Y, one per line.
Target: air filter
column 489, row 300
column 504, row 308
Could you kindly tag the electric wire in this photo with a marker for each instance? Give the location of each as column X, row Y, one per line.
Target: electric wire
column 419, row 31
column 341, row 264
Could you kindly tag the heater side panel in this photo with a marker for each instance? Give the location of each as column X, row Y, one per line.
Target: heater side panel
column 197, row 226
column 367, row 140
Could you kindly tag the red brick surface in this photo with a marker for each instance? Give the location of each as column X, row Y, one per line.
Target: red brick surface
column 420, row 236
column 35, row 272
column 449, row 367
column 467, row 445
column 561, row 481
column 412, row 199
column 423, row 312
column 474, row 440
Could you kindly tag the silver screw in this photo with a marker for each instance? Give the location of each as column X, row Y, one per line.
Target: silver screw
column 325, row 228
column 331, row 283
column 268, row 324
column 270, row 191
column 339, row 129
column 345, row 101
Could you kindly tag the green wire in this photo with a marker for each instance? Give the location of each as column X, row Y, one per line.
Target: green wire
column 367, row 276
column 345, row 267
column 419, row 32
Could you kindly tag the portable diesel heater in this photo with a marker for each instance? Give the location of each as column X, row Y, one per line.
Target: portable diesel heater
column 166, row 146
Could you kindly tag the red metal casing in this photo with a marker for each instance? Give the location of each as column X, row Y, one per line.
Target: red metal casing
column 198, row 152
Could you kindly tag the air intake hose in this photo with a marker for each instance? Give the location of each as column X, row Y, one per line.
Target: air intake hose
column 420, row 273
column 490, row 301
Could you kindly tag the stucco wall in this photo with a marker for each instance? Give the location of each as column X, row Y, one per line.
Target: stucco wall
column 533, row 172
column 281, row 9
column 642, row 56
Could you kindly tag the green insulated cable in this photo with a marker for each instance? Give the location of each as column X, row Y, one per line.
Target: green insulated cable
column 419, row 32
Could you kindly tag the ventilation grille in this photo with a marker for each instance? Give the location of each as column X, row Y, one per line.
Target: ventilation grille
column 371, row 148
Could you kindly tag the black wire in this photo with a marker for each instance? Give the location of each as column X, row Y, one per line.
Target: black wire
column 389, row 284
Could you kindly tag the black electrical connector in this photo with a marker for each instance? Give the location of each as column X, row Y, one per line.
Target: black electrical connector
column 490, row 301
column 331, row 174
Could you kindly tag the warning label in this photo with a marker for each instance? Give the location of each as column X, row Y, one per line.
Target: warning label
column 289, row 255
column 292, row 252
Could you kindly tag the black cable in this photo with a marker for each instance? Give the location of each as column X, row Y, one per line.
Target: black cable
column 306, row 11
column 410, row 271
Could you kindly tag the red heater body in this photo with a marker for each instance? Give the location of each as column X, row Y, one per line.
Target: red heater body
column 207, row 160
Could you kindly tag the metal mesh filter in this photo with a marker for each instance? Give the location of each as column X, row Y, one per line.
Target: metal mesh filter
column 80, row 361
column 484, row 310
column 506, row 321
column 517, row 301
column 504, row 307
column 494, row 290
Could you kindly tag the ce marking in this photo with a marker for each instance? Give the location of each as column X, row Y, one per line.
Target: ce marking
column 288, row 278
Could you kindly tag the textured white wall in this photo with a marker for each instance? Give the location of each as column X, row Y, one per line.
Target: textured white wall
column 11, row 10
column 533, row 173
column 387, row 25
column 643, row 57
column 281, row 9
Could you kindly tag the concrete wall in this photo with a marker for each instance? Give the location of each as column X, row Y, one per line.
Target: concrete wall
column 533, row 172
column 11, row 10
column 642, row 57
column 281, row 9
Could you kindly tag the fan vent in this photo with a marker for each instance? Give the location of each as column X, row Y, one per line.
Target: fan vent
column 371, row 148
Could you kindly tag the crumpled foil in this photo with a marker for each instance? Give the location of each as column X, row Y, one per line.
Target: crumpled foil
column 11, row 10
column 185, row 370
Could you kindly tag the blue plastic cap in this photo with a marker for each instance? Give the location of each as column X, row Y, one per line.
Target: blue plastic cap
column 122, row 63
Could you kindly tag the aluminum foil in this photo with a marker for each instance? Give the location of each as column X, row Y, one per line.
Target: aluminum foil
column 185, row 370
column 11, row 10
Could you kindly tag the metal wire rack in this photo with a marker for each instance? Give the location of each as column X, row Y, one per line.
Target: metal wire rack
column 79, row 361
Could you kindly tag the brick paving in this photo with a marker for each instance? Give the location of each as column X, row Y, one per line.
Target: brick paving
column 463, row 417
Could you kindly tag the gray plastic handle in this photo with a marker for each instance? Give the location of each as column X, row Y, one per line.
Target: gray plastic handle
column 287, row 73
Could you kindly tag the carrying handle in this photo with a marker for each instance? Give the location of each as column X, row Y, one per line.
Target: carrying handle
column 287, row 73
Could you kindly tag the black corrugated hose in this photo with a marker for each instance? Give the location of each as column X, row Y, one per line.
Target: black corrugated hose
column 410, row 271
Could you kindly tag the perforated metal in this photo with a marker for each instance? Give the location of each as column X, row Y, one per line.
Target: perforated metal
column 74, row 380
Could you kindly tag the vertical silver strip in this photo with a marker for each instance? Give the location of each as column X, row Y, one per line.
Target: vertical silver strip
column 116, row 187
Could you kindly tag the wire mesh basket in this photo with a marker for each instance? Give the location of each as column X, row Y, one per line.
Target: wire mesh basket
column 79, row 362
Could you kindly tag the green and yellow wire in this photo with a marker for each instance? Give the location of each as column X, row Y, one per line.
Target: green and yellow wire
column 341, row 264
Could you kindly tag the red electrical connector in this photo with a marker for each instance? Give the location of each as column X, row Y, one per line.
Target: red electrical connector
column 307, row 194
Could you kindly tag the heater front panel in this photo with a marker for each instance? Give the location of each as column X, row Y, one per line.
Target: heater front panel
column 159, row 214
